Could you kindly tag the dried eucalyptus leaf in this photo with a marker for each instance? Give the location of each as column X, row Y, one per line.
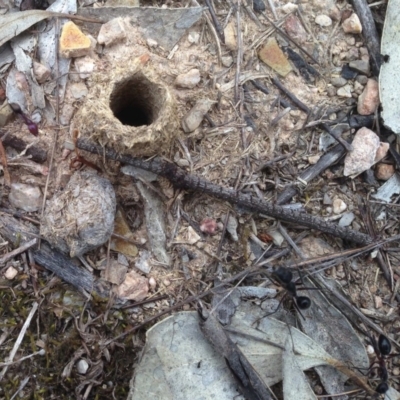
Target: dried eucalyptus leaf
column 154, row 212
column 295, row 384
column 178, row 363
column 15, row 23
column 325, row 324
column 389, row 78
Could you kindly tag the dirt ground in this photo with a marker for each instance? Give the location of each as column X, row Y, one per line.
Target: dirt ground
column 248, row 141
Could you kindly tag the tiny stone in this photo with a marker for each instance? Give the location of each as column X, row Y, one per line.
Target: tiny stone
column 289, row 8
column 334, row 13
column 378, row 302
column 78, row 90
column 227, row 61
column 347, row 72
column 151, row 42
column 41, row 72
column 166, row 282
column 338, row 81
column 362, row 157
column 338, row 206
column 152, row 283
column 314, row 159
column 331, row 91
column 26, row 197
column 6, row 114
column 112, row 32
column 11, row 273
column 360, row 66
column 396, row 371
column 381, row 151
column 327, row 200
column 352, row 24
column 188, row 80
column 295, row 29
column 193, row 37
column 323, row 20
column 82, row 366
column 85, row 66
column 258, row 5
column 362, row 79
column 345, row 91
column 368, row 101
column 370, row 350
column 230, row 36
column 73, row 43
column 346, row 219
column 384, row 171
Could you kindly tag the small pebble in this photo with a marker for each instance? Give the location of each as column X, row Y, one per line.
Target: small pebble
column 352, row 24
column 82, row 366
column 11, row 273
column 360, row 66
column 384, row 171
column 152, row 283
column 339, row 205
column 327, row 200
column 193, row 37
column 345, row 91
column 289, row 8
column 346, row 219
column 166, row 282
column 347, row 72
column 378, row 302
column 323, row 20
column 338, row 81
column 188, row 80
column 209, row 226
column 152, row 43
column 314, row 159
column 362, row 79
column 26, row 197
column 368, row 101
column 331, row 91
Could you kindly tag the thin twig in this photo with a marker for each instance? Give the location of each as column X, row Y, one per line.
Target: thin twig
column 291, row 96
column 19, row 250
column 217, row 25
column 3, row 159
column 21, row 336
column 53, row 150
column 180, row 179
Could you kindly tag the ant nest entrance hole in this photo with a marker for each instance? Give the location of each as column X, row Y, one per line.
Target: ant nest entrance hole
column 136, row 101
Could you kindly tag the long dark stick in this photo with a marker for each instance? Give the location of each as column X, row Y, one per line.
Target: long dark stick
column 180, row 179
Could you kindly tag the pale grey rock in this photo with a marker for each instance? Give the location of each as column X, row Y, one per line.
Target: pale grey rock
column 25, row 197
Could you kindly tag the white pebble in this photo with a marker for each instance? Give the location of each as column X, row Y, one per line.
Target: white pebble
column 323, row 20
column 346, row 219
column 82, row 366
column 339, row 205
column 11, row 273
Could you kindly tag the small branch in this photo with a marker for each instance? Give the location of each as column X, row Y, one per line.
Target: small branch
column 370, row 34
column 180, row 179
column 3, row 160
column 291, row 96
column 337, row 137
column 15, row 252
column 217, row 25
column 20, row 338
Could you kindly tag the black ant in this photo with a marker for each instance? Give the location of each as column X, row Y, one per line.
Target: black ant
column 285, row 279
column 382, row 350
